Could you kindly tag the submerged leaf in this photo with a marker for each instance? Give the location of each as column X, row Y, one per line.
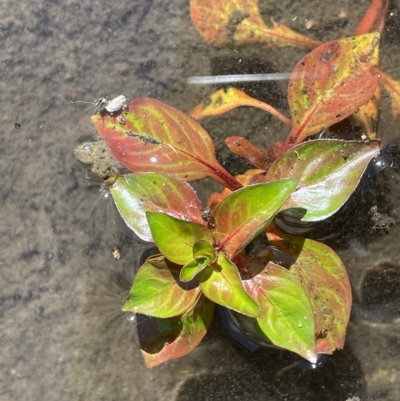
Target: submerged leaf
column 392, row 87
column 158, row 292
column 322, row 274
column 150, row 136
column 176, row 238
column 367, row 116
column 164, row 339
column 332, row 82
column 328, row 172
column 242, row 147
column 242, row 215
column 286, row 317
column 221, row 283
column 224, row 100
column 136, row 194
column 237, row 23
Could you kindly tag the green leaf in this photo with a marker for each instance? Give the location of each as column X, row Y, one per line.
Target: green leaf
column 157, row 291
column 286, row 316
column 323, row 276
column 164, row 339
column 204, row 254
column 242, row 215
column 332, row 82
column 176, row 238
column 328, row 172
column 157, row 138
column 136, row 194
column 222, row 284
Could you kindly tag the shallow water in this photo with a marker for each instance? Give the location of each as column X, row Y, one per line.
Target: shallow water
column 62, row 334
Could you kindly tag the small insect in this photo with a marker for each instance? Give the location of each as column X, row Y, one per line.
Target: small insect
column 116, row 254
column 103, row 104
column 17, row 125
column 116, row 104
column 121, row 120
column 205, row 213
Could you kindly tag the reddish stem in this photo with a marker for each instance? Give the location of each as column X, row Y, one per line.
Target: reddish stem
column 226, row 179
column 374, row 17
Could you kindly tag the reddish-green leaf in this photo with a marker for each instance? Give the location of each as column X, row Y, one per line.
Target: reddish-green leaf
column 154, row 137
column 224, row 100
column 203, row 254
column 328, row 171
column 237, row 23
column 164, row 339
column 136, row 194
column 332, row 82
column 221, row 283
column 242, row 147
column 242, row 215
column 176, row 238
column 322, row 274
column 158, row 292
column 392, row 87
column 286, row 317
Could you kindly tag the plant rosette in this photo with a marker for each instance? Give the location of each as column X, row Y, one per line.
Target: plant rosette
column 302, row 306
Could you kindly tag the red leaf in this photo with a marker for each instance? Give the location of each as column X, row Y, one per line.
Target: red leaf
column 237, row 23
column 165, row 339
column 224, row 100
column 331, row 83
column 242, row 147
column 154, row 137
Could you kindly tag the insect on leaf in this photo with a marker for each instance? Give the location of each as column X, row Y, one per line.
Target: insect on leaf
column 332, row 82
column 158, row 138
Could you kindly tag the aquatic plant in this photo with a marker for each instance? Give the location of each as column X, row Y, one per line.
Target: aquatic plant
column 300, row 302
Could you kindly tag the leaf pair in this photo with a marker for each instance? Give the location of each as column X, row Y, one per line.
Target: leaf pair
column 238, row 219
column 328, row 172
